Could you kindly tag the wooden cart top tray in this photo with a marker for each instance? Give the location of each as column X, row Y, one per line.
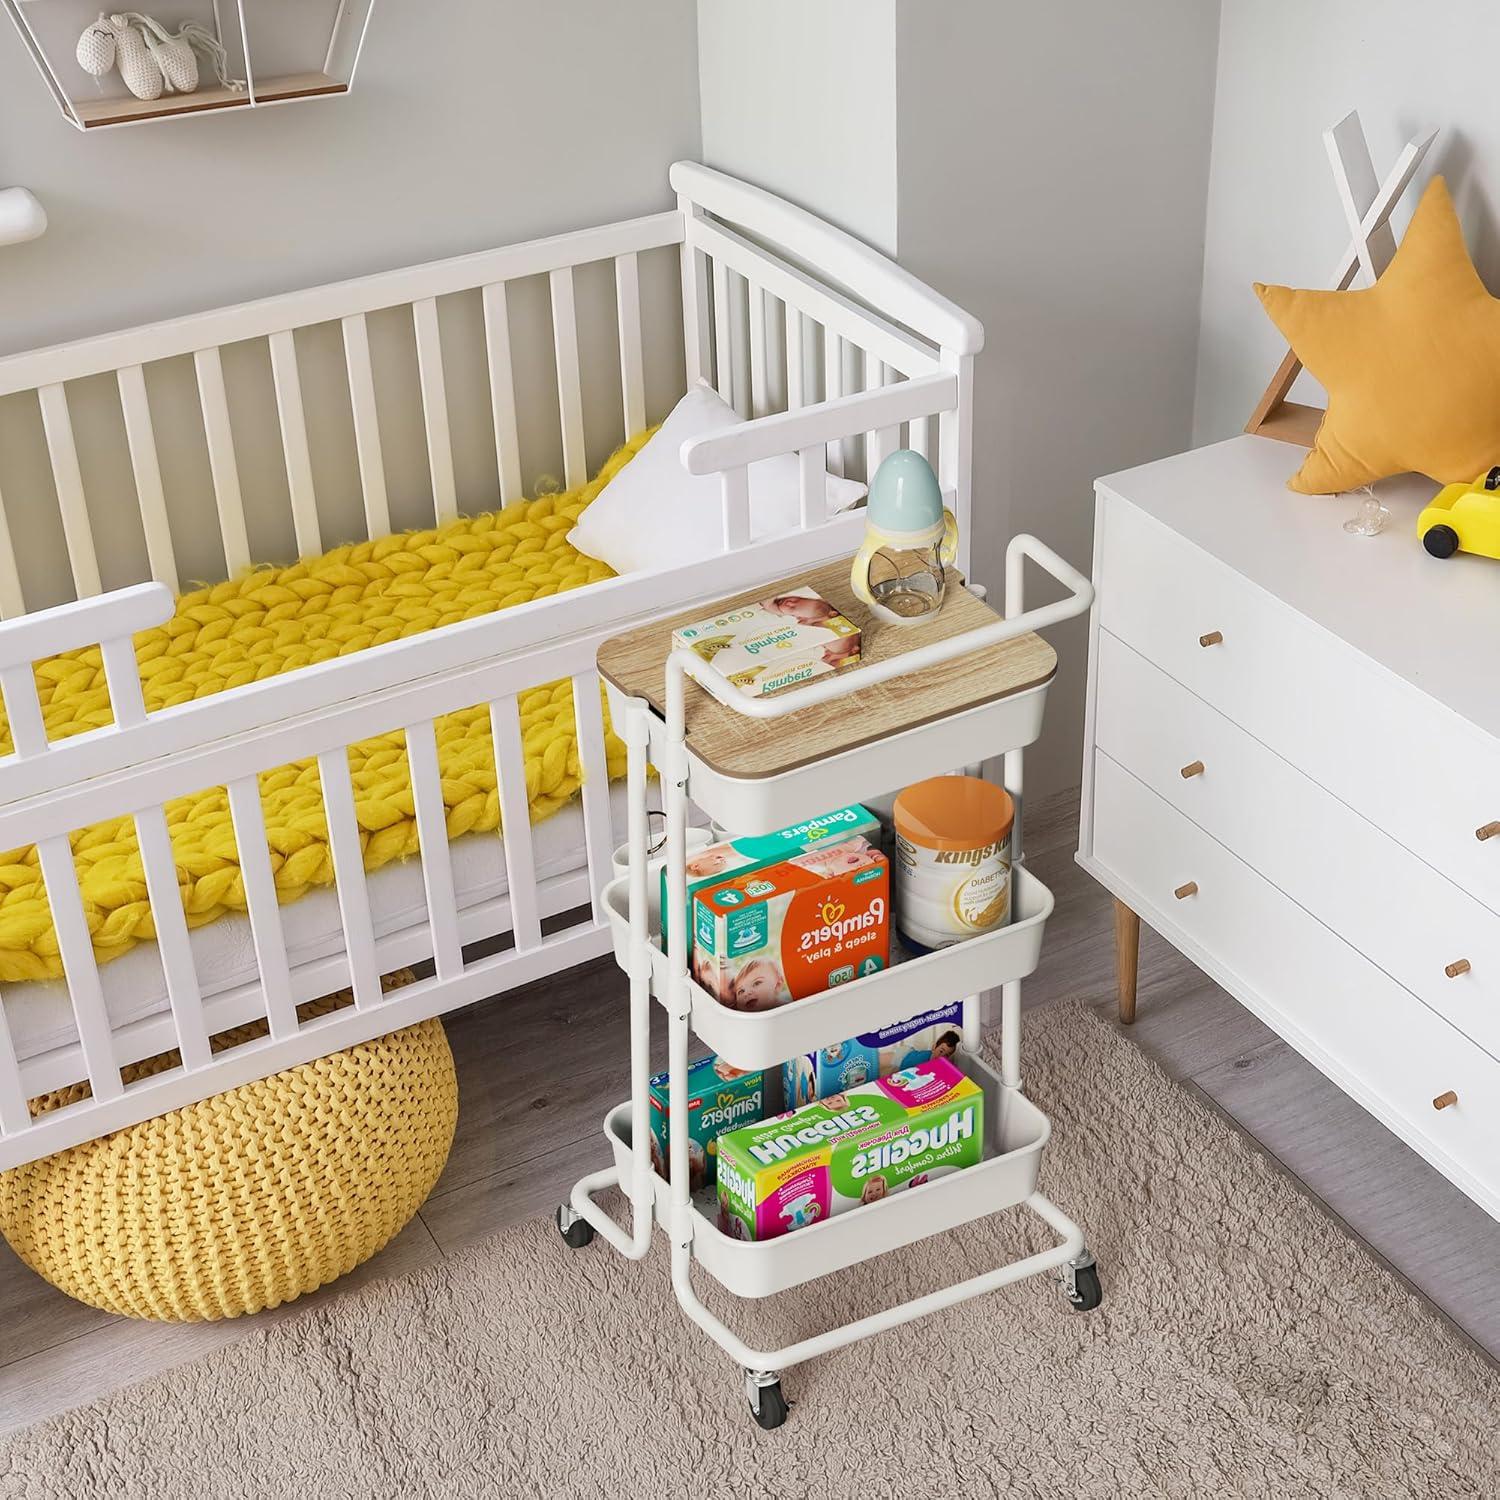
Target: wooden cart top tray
column 735, row 745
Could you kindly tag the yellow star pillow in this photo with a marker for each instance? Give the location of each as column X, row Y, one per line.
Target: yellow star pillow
column 1411, row 365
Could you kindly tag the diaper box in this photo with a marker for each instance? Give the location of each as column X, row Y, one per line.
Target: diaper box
column 794, row 929
column 720, row 1097
column 789, row 639
column 741, row 855
column 848, row 1150
column 846, row 1065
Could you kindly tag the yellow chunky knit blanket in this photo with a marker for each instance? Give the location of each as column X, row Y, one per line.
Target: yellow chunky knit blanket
column 276, row 619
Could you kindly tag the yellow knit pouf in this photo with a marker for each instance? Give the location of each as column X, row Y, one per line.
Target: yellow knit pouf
column 248, row 1199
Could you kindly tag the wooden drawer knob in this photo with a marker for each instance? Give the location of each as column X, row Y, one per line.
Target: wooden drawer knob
column 1487, row 832
column 1194, row 769
column 1213, row 638
column 1457, row 967
column 1444, row 1100
column 1184, row 891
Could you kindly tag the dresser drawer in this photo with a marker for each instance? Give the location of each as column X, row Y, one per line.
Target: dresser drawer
column 1352, row 1020
column 1378, row 896
column 1402, row 760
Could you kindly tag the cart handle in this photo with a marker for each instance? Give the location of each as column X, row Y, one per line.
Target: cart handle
column 684, row 662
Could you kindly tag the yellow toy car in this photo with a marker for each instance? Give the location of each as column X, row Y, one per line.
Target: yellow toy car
column 1464, row 518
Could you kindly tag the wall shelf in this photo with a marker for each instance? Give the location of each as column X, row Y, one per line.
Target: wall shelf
column 284, row 50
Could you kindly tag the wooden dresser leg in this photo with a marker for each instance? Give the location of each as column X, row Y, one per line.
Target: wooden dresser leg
column 1127, row 954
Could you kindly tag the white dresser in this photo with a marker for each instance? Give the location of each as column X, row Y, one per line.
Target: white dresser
column 1292, row 772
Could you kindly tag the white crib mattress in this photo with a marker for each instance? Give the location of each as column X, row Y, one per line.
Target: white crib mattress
column 40, row 1014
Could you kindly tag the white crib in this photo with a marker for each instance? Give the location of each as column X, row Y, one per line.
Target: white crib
column 830, row 350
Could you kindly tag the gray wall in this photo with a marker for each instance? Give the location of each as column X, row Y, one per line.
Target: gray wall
column 1273, row 214
column 800, row 97
column 473, row 123
column 1052, row 169
column 1050, row 166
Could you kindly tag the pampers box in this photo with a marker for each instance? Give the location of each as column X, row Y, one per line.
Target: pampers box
column 794, row 929
column 846, row 1065
column 848, row 1150
column 739, row 856
column 719, row 1098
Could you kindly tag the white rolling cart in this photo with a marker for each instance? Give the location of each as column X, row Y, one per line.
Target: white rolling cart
column 926, row 698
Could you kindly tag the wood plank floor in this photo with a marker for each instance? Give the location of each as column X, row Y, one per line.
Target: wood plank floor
column 538, row 1068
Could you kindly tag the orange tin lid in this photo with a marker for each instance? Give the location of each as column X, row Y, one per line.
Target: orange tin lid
column 954, row 812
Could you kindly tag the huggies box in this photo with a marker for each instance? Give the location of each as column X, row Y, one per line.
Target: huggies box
column 849, row 1150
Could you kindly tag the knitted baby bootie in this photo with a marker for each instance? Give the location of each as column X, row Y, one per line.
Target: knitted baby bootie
column 96, row 48
column 133, row 58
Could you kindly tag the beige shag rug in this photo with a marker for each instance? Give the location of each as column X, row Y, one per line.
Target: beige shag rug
column 1245, row 1346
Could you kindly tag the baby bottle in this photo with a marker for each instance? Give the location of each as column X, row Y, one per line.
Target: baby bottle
column 909, row 539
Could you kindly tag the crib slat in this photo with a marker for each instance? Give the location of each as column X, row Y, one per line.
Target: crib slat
column 23, row 709
column 569, row 389
column 833, row 387
column 886, row 439
column 79, row 535
column 123, row 678
column 723, row 337
column 598, row 831
column 265, row 912
column 632, row 364
column 12, row 600
column 140, row 435
column 735, row 484
column 299, row 478
column 60, row 876
column 221, row 459
column 502, row 391
column 14, row 1116
column 349, row 877
column 432, row 836
column 759, row 375
column 695, row 313
column 812, row 484
column 776, row 353
column 515, row 818
column 796, row 359
column 435, row 408
column 172, row 943
column 739, row 318
column 919, row 436
column 366, row 425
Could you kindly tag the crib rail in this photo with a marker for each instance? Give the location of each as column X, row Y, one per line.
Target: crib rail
column 138, row 764
column 55, row 376
column 775, row 339
column 351, row 711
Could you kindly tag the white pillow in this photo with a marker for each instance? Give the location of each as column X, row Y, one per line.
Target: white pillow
column 654, row 514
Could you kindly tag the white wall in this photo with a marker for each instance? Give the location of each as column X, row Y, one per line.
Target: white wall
column 800, row 97
column 1052, row 170
column 1287, row 70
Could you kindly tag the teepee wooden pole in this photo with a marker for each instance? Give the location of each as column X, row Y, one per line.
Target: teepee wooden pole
column 1367, row 211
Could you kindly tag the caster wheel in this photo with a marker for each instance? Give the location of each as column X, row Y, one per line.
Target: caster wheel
column 576, row 1232
column 1087, row 1293
column 768, row 1407
column 1440, row 541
